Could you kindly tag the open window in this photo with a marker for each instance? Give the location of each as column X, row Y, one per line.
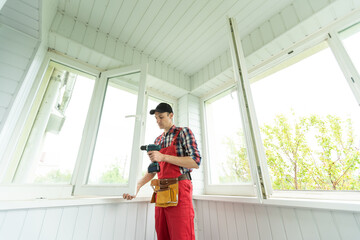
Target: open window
column 227, row 153
column 308, row 117
column 82, row 134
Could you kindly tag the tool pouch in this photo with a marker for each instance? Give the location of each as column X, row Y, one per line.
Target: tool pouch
column 166, row 192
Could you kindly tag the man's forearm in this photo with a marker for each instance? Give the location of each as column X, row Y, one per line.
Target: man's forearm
column 186, row 162
column 145, row 179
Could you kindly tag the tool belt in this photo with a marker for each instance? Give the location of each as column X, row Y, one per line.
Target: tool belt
column 166, row 191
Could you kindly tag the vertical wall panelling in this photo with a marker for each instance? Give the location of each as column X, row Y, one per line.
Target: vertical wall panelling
column 51, row 223
column 240, row 220
column 13, row 224
column 291, row 224
column 120, row 222
column 251, row 223
column 199, row 220
column 230, row 221
column 141, row 220
column 276, row 223
column 67, row 223
column 221, row 218
column 206, row 220
column 150, row 222
column 108, row 226
column 214, row 223
column 346, row 224
column 33, row 224
column 326, row 225
column 254, row 221
column 263, row 222
column 307, row 224
column 96, row 223
column 131, row 221
column 82, row 222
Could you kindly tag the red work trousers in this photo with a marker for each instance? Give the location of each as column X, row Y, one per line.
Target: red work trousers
column 177, row 223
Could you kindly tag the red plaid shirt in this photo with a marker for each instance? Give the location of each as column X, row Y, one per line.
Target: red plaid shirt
column 185, row 144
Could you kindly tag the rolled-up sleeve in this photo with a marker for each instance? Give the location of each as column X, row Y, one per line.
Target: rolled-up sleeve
column 190, row 145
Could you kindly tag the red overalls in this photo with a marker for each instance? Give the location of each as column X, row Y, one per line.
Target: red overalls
column 175, row 222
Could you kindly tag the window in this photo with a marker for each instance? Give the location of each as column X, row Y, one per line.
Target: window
column 51, row 149
column 83, row 134
column 309, row 124
column 228, row 162
column 351, row 39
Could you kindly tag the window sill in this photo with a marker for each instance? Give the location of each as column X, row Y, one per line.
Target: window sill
column 343, row 205
column 73, row 201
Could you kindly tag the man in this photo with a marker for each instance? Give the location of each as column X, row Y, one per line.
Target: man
column 178, row 155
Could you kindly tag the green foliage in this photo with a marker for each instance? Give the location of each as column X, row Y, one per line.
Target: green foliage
column 54, row 176
column 113, row 175
column 312, row 153
column 237, row 167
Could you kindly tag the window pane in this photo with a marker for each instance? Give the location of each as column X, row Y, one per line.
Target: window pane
column 52, row 147
column 351, row 42
column 112, row 154
column 309, row 124
column 151, row 132
column 227, row 150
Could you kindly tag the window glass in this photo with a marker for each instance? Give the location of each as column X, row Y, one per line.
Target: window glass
column 152, row 131
column 52, row 147
column 112, row 154
column 309, row 124
column 351, row 39
column 228, row 158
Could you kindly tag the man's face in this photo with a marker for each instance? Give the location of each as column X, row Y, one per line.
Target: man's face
column 164, row 120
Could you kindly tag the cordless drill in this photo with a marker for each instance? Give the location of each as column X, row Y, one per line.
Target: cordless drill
column 154, row 166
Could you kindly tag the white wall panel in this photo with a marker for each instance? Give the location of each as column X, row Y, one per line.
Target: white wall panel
column 276, row 223
column 67, row 223
column 240, row 219
column 108, row 221
column 307, row 224
column 32, row 224
column 291, row 224
column 120, row 223
column 12, row 225
column 104, row 50
column 108, row 225
column 51, row 222
column 96, row 223
column 255, row 221
column 82, row 222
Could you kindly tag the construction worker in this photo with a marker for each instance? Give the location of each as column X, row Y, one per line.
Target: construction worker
column 179, row 154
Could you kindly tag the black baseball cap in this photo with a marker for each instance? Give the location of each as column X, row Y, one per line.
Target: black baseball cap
column 161, row 108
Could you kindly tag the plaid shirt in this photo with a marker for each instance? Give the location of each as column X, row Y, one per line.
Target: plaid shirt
column 185, row 144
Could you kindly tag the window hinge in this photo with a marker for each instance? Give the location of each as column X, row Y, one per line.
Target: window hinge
column 352, row 79
column 99, row 75
column 329, row 35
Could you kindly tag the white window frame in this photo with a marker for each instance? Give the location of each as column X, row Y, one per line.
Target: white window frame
column 9, row 190
column 350, row 72
column 241, row 189
column 85, row 156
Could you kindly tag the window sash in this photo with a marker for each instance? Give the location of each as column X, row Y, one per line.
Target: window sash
column 89, row 139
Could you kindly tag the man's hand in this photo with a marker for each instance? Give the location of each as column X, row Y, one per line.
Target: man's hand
column 128, row 196
column 156, row 156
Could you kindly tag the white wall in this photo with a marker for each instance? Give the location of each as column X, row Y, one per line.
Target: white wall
column 189, row 116
column 240, row 221
column 214, row 220
column 105, row 221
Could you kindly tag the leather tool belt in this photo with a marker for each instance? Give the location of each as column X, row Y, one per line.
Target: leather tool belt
column 166, row 191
